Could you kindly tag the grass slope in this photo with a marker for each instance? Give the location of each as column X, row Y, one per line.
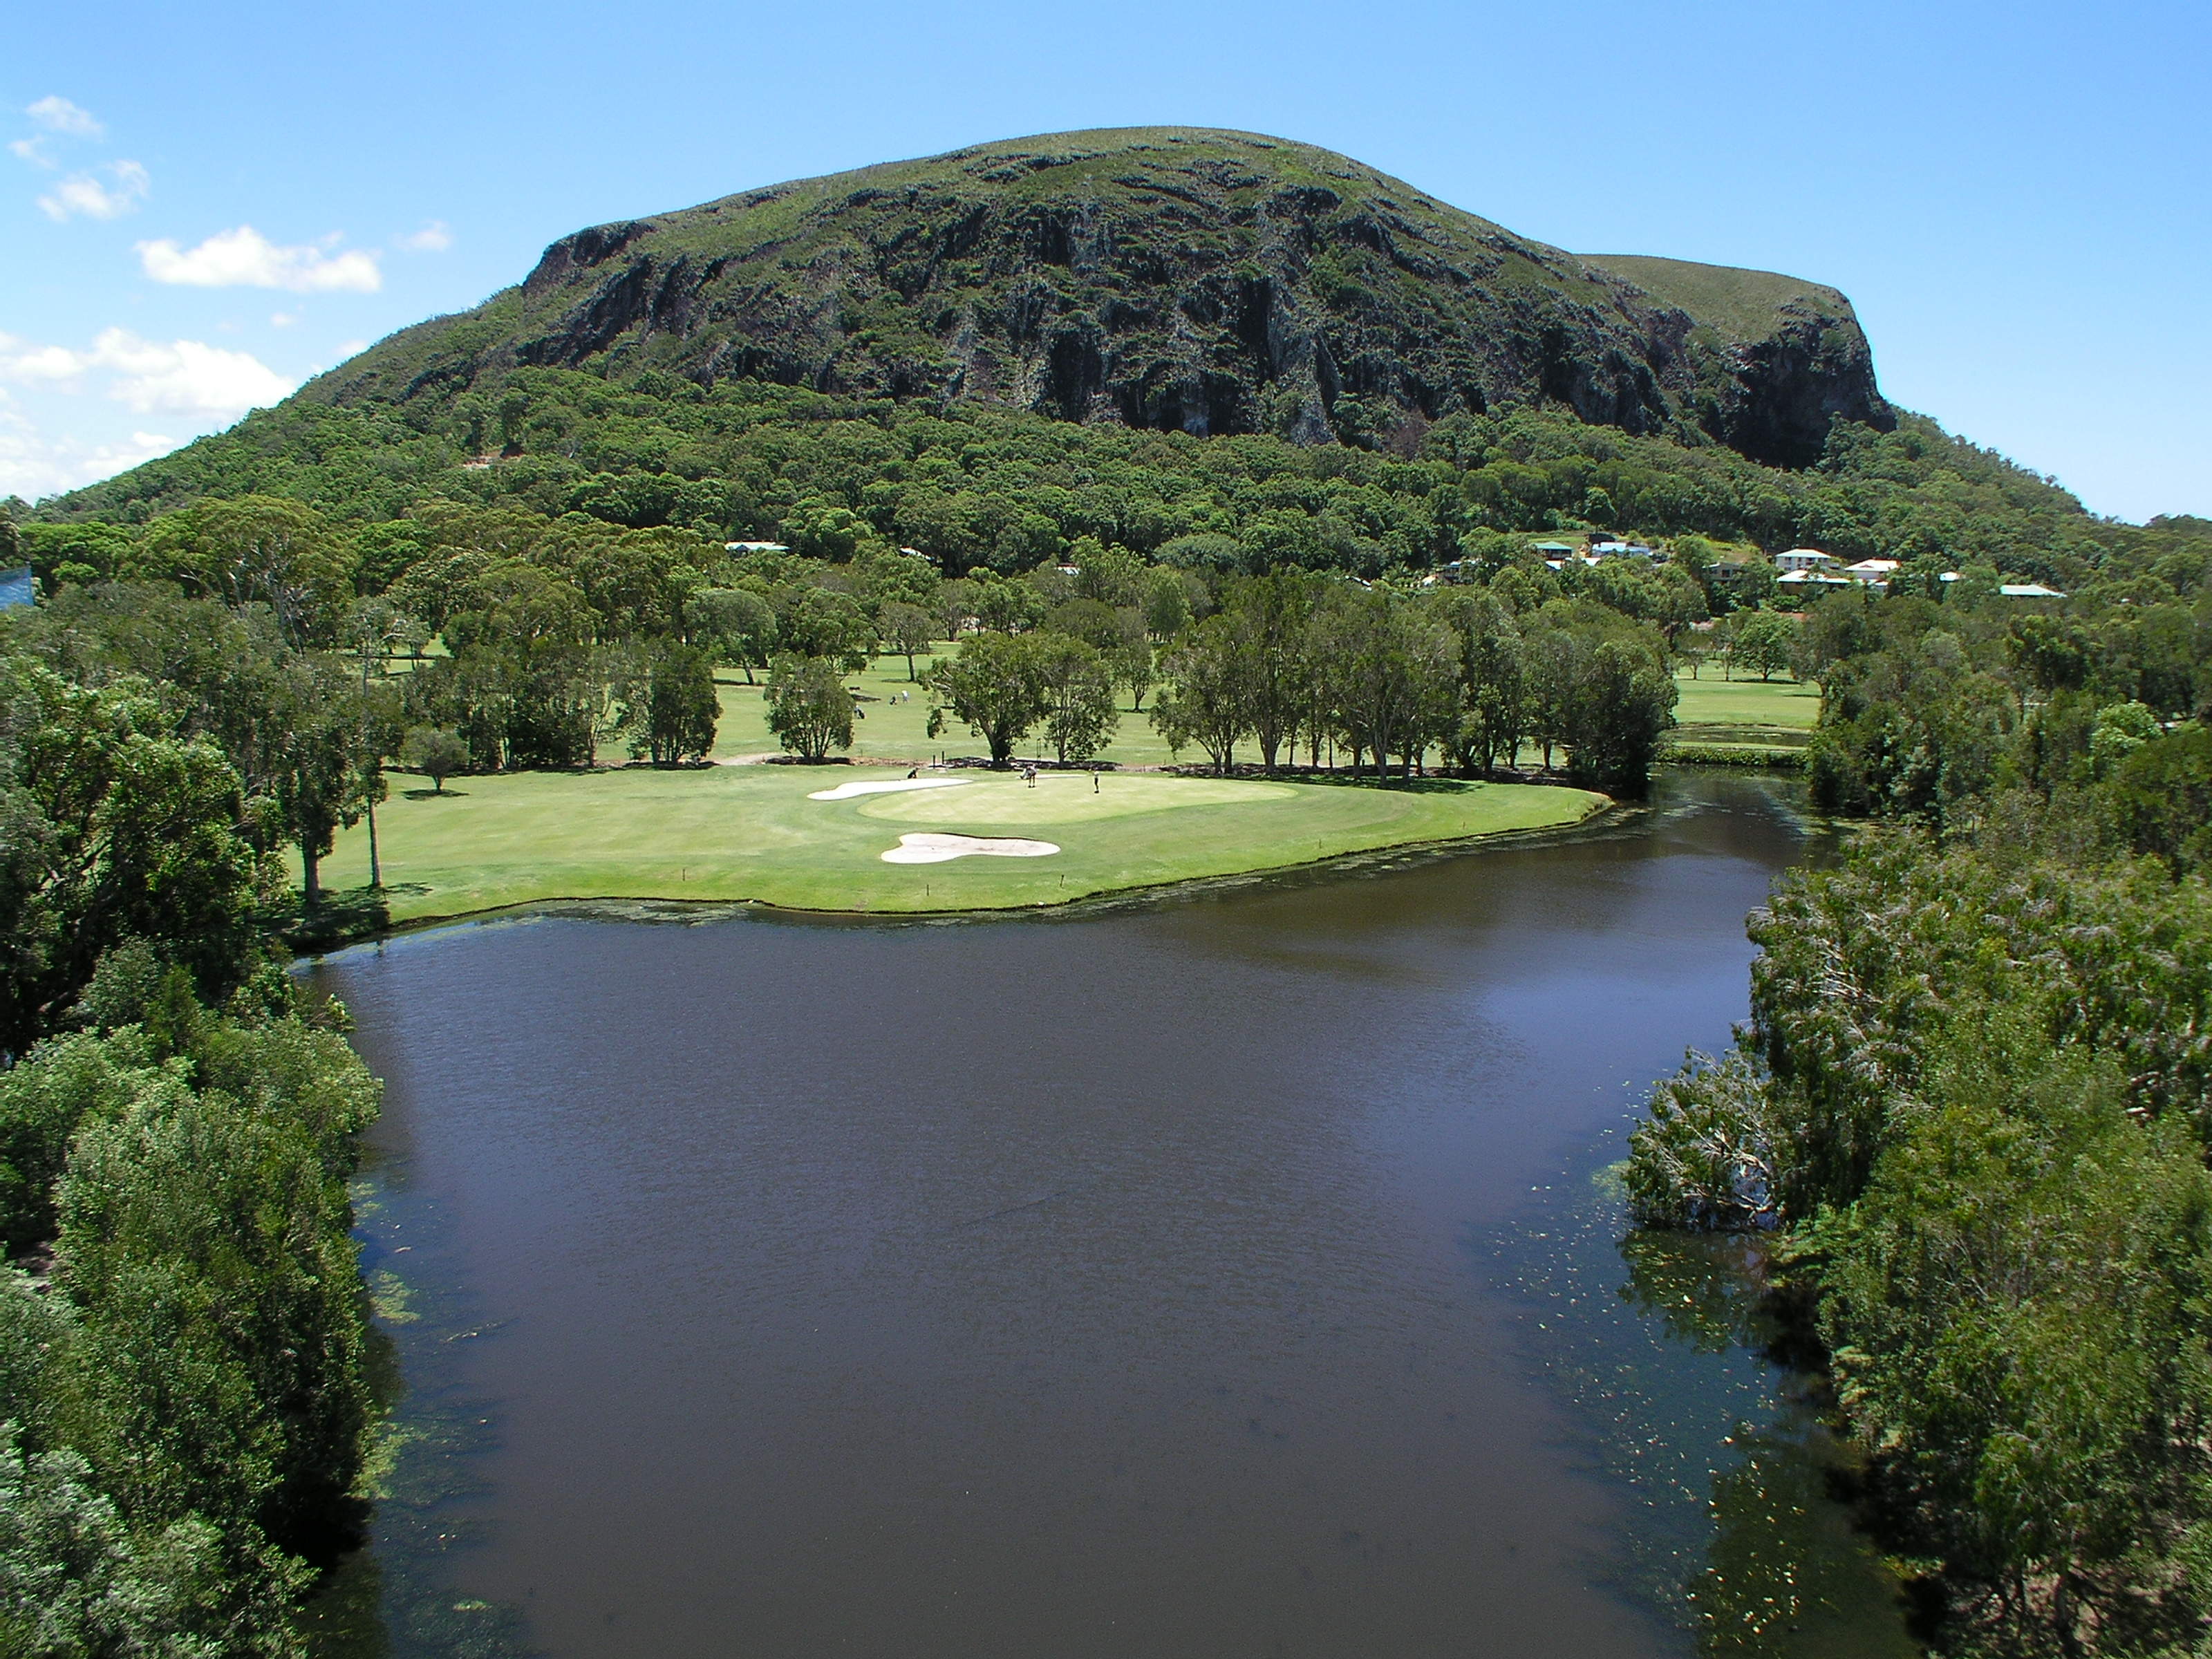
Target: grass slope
column 751, row 833
column 1737, row 304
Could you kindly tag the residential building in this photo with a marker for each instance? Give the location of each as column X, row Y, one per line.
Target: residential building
column 1803, row 558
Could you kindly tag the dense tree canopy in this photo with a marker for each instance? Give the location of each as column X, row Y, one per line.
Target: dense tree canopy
column 1974, row 1099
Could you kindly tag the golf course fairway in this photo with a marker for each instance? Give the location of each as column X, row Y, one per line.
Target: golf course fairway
column 752, row 833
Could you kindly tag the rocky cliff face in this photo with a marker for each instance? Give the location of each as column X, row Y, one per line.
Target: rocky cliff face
column 1210, row 282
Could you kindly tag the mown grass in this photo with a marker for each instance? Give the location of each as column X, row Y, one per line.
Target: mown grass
column 886, row 729
column 1779, row 704
column 751, row 833
column 1741, row 722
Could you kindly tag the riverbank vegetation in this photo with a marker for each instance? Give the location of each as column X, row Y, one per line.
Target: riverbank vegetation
column 1973, row 1106
column 184, row 1406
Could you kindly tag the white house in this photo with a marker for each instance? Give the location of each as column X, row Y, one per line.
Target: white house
column 1803, row 558
column 1801, row 582
column 754, row 547
column 2029, row 591
column 1871, row 570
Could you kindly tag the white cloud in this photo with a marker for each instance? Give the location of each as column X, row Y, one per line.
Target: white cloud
column 246, row 258
column 184, row 377
column 435, row 237
column 59, row 115
column 33, row 464
column 34, row 365
column 33, row 150
column 83, row 193
column 286, row 318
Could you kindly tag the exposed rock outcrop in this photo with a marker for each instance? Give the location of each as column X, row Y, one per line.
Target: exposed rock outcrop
column 1168, row 278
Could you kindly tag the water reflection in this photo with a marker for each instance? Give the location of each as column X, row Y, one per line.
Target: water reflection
column 1110, row 1284
column 1688, row 1394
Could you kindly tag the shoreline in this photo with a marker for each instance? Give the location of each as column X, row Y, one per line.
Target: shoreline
column 1604, row 807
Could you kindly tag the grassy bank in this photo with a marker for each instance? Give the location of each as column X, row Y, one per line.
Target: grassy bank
column 1743, row 722
column 752, row 833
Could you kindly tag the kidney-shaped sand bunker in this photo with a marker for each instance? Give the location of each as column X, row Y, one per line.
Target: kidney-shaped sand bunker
column 936, row 847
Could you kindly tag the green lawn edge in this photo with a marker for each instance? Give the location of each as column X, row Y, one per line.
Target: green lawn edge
column 824, row 858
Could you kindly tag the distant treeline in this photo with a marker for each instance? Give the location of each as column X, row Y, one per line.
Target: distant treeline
column 749, row 461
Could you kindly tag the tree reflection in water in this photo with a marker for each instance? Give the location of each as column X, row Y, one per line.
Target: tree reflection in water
column 1740, row 1513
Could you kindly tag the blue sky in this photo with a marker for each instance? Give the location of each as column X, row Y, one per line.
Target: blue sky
column 203, row 205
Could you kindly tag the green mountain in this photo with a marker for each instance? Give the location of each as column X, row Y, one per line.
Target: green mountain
column 1156, row 277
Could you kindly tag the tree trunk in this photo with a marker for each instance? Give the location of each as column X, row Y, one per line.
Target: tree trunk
column 310, row 881
column 376, row 868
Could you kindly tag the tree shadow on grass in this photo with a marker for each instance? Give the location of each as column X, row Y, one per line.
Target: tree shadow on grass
column 342, row 916
column 434, row 794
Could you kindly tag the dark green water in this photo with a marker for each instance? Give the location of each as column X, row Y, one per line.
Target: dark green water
column 1231, row 1273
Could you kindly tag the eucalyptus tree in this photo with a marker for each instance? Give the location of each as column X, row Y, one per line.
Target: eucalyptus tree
column 1552, row 661
column 1079, row 717
column 996, row 686
column 1397, row 673
column 734, row 625
column 809, row 708
column 906, row 627
column 1494, row 704
column 261, row 550
column 434, row 752
column 1207, row 697
column 1271, row 617
column 1624, row 703
column 672, row 709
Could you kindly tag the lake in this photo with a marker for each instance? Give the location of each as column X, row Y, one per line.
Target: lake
column 1231, row 1272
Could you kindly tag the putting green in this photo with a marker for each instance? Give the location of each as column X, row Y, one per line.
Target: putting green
column 1069, row 798
column 752, row 833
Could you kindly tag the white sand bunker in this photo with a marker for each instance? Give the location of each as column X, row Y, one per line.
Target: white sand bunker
column 885, row 787
column 933, row 848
